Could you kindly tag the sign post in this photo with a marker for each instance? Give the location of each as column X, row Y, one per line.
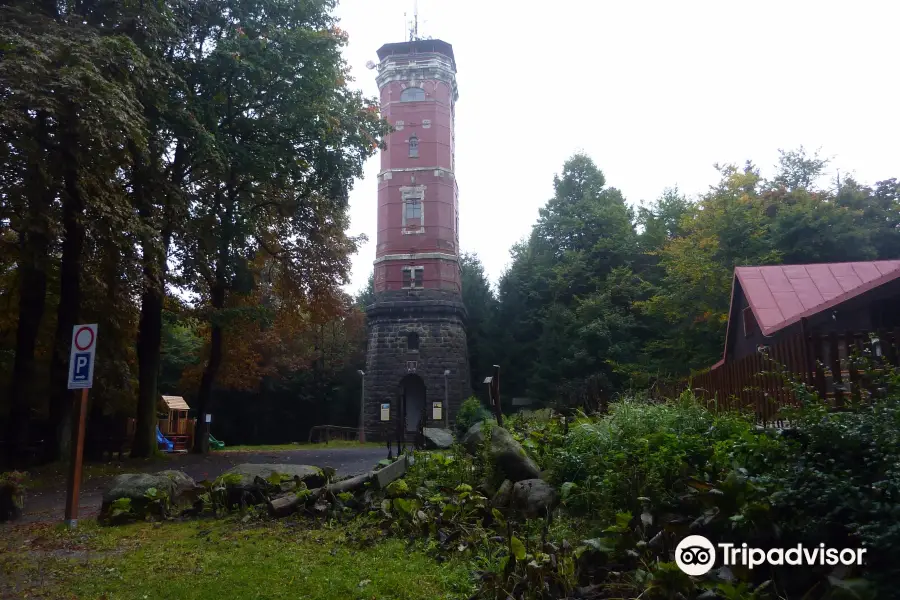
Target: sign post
column 81, row 377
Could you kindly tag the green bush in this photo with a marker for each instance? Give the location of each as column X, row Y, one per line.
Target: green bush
column 471, row 412
column 12, row 495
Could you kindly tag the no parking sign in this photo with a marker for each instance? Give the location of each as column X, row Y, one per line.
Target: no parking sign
column 81, row 358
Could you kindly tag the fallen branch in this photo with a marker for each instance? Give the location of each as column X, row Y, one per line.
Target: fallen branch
column 287, row 505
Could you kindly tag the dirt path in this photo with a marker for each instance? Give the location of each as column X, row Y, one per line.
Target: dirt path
column 48, row 504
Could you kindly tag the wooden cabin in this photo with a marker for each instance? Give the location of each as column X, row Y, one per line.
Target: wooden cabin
column 768, row 303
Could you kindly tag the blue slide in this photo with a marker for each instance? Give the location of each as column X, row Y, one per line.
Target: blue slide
column 162, row 441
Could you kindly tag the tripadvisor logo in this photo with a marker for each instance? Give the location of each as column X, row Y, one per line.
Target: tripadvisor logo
column 696, row 555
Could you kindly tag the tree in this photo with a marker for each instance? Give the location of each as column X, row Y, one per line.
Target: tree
column 290, row 137
column 481, row 308
column 366, row 296
column 69, row 106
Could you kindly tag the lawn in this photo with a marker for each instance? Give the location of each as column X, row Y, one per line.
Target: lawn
column 213, row 559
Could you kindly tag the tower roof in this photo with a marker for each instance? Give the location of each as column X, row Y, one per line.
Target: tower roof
column 416, row 47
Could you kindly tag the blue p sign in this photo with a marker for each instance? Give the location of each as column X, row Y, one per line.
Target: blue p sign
column 81, row 367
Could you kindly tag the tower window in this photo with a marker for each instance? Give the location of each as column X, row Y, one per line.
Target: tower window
column 413, row 278
column 414, row 147
column 413, row 209
column 412, row 341
column 412, row 94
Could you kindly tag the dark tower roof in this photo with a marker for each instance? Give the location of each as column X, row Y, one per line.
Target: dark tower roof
column 416, row 47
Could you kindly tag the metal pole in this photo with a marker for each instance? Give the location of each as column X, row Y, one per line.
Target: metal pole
column 446, row 405
column 80, row 415
column 362, row 409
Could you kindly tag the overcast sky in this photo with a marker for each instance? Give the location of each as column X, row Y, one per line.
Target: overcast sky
column 654, row 92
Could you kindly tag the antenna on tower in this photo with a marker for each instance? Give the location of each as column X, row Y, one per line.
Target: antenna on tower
column 414, row 24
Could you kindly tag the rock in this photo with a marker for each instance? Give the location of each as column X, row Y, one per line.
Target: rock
column 437, row 439
column 187, row 490
column 287, row 477
column 180, row 490
column 508, row 455
column 503, row 495
column 533, row 497
column 249, row 484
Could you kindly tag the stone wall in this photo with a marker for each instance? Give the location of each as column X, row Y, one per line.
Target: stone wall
column 438, row 318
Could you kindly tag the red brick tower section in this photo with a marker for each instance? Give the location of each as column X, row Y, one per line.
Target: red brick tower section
column 417, row 350
column 418, row 199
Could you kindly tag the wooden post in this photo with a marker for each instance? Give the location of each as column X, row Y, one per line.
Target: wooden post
column 495, row 395
column 362, row 408
column 80, row 414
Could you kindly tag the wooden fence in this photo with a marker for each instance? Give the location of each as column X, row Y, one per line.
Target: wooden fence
column 823, row 362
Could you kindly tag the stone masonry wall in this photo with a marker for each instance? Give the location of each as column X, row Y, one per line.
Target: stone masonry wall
column 439, row 321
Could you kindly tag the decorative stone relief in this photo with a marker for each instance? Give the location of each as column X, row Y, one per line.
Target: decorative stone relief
column 426, row 123
column 399, row 125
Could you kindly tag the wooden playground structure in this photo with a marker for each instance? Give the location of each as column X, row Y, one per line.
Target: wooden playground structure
column 176, row 426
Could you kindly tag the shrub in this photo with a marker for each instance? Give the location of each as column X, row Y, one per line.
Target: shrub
column 471, row 412
column 12, row 495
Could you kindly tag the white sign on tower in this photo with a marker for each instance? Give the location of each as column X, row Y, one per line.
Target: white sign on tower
column 81, row 358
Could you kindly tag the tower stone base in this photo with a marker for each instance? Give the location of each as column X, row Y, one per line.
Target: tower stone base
column 414, row 336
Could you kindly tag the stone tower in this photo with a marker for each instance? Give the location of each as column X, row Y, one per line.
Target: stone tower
column 417, row 323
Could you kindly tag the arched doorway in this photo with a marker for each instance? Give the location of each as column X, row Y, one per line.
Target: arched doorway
column 412, row 391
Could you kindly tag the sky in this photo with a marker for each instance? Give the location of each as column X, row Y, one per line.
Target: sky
column 655, row 93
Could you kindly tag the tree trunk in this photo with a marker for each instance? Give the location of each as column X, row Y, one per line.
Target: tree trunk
column 148, row 351
column 69, row 296
column 34, row 243
column 204, row 398
column 149, row 342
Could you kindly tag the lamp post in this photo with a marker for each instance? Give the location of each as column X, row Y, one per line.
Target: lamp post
column 362, row 408
column 446, row 405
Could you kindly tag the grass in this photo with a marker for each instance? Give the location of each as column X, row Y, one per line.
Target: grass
column 212, row 560
column 319, row 446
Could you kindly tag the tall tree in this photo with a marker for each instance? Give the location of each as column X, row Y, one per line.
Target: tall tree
column 481, row 308
column 290, row 136
column 69, row 107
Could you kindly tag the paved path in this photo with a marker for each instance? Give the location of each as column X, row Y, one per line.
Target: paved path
column 49, row 504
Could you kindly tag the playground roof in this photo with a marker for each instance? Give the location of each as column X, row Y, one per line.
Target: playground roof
column 176, row 403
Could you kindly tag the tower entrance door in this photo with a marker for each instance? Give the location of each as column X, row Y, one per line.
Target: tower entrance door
column 412, row 389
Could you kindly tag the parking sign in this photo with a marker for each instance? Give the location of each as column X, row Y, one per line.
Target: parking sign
column 81, row 357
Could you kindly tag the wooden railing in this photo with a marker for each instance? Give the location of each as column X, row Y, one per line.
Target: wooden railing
column 824, row 363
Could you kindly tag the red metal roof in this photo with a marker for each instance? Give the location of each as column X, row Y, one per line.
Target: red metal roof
column 780, row 295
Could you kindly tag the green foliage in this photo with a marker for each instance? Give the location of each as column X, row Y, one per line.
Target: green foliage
column 397, row 488
column 654, row 473
column 599, row 300
column 471, row 411
column 481, row 312
column 12, row 494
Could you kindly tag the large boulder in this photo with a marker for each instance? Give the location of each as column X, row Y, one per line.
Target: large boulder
column 437, row 439
column 152, row 492
column 506, row 453
column 533, row 497
column 254, row 484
